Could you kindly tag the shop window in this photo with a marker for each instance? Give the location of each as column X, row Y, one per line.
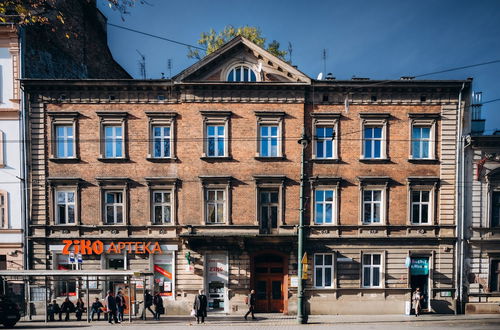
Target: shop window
column 241, row 73
column 323, row 270
column 164, row 274
column 116, row 263
column 495, row 209
column 4, row 209
column 372, row 273
column 495, row 275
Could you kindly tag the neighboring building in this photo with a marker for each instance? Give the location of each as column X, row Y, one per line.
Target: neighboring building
column 483, row 225
column 11, row 220
column 206, row 168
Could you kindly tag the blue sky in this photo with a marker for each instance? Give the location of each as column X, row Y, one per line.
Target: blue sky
column 383, row 39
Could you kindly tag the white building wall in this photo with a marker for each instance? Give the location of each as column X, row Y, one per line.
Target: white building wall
column 7, row 79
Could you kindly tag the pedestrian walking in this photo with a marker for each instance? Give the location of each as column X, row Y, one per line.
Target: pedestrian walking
column 200, row 306
column 120, row 305
column 54, row 309
column 110, row 302
column 148, row 302
column 158, row 303
column 250, row 301
column 80, row 309
column 417, row 301
column 67, row 307
column 96, row 309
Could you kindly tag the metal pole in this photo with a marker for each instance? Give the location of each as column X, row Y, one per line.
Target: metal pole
column 46, row 307
column 301, row 318
column 129, row 301
column 88, row 301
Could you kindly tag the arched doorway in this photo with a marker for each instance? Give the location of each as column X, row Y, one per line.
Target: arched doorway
column 269, row 278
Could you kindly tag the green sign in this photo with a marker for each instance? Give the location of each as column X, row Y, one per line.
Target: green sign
column 419, row 266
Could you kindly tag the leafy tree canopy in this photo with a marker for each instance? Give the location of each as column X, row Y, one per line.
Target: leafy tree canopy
column 212, row 40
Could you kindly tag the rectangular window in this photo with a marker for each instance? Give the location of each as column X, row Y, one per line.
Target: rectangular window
column 372, row 139
column 323, row 270
column 495, row 209
column 372, row 206
column 162, row 207
column 4, row 218
column 269, row 204
column 372, row 270
column 113, row 207
column 324, row 142
column 420, row 207
column 65, row 207
column 113, row 141
column 421, row 142
column 161, row 141
column 215, row 205
column 495, row 276
column 324, row 206
column 65, row 140
column 269, row 140
column 3, row 262
column 215, row 141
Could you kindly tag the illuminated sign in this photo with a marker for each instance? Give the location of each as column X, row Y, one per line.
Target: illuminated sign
column 86, row 247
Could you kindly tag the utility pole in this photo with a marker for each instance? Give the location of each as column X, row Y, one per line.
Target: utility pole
column 301, row 315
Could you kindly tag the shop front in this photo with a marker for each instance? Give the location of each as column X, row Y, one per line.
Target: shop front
column 216, row 281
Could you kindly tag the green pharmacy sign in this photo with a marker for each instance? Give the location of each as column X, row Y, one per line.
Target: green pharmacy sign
column 419, row 266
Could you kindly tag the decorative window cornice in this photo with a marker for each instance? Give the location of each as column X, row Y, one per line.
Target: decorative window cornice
column 374, row 115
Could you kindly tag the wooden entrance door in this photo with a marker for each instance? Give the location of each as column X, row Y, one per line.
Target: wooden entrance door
column 269, row 283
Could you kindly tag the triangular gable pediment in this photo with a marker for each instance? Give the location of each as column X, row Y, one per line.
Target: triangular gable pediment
column 241, row 51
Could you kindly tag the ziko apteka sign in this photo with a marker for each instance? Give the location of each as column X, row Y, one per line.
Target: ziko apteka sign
column 97, row 247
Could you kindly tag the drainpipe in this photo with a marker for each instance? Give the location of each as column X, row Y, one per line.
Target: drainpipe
column 301, row 315
column 459, row 205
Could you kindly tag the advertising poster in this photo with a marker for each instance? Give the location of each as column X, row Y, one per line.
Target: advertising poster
column 217, row 279
column 163, row 274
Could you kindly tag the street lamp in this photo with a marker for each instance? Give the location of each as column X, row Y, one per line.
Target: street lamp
column 301, row 315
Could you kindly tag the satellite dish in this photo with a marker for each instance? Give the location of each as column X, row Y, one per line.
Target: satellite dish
column 320, row 76
column 259, row 67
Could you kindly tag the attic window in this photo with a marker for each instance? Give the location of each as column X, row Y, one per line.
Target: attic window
column 241, row 73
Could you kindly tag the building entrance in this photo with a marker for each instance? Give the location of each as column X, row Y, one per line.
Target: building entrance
column 269, row 282
column 419, row 278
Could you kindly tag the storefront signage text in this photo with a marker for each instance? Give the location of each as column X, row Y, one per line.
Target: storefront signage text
column 97, row 247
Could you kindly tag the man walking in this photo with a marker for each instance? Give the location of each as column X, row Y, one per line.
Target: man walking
column 148, row 302
column 251, row 304
column 200, row 306
column 110, row 302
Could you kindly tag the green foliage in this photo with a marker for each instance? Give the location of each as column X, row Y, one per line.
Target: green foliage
column 212, row 40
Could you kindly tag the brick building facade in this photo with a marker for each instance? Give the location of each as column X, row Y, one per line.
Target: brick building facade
column 208, row 166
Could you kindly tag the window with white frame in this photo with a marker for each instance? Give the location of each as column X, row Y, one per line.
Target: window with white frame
column 372, row 141
column 420, row 207
column 65, row 140
column 495, row 208
column 114, row 207
column 241, row 73
column 323, row 270
column 269, row 210
column 372, row 205
column 324, row 206
column 113, row 141
column 215, row 141
column 324, row 142
column 372, row 270
column 2, row 147
column 161, row 141
column 215, row 204
column 4, row 207
column 162, row 207
column 269, row 134
column 65, row 206
column 422, row 136
column 269, row 141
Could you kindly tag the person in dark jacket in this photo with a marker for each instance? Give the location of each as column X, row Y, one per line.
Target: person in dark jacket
column 67, row 307
column 200, row 306
column 80, row 309
column 96, row 309
column 148, row 302
column 54, row 309
column 158, row 303
column 120, row 305
column 251, row 305
column 110, row 302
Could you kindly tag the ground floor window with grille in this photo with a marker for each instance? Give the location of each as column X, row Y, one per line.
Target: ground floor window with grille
column 323, row 270
column 371, row 270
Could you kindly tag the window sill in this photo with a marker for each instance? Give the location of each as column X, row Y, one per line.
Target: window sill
column 64, row 160
column 325, row 160
column 270, row 159
column 114, row 160
column 375, row 160
column 216, row 159
column 162, row 160
column 423, row 161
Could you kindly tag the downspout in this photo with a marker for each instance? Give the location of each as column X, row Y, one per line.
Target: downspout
column 458, row 200
column 462, row 218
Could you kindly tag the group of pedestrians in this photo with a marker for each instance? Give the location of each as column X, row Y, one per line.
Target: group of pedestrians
column 155, row 301
column 115, row 306
column 66, row 308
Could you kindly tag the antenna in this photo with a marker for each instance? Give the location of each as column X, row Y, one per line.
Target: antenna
column 324, row 59
column 169, row 67
column 320, row 76
column 142, row 64
column 290, row 50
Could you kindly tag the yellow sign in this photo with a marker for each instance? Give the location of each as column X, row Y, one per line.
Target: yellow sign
column 304, row 271
column 304, row 259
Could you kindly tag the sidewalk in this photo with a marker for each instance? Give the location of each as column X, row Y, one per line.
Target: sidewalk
column 278, row 320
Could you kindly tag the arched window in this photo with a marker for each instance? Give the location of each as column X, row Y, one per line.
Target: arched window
column 241, row 73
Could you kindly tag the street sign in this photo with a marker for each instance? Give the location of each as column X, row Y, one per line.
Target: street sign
column 304, row 259
column 79, row 258
column 304, row 271
column 71, row 258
